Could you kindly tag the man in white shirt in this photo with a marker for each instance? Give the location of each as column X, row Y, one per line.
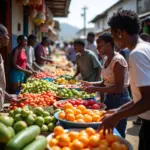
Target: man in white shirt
column 91, row 45
column 32, row 65
column 125, row 26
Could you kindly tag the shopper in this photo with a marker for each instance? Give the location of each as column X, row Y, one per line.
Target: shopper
column 87, row 62
column 125, row 26
column 115, row 78
column 71, row 53
column 91, row 43
column 19, row 69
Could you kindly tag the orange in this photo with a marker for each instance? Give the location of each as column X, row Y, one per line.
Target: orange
column 65, row 148
column 68, row 106
column 58, row 130
column 80, row 116
column 76, row 145
column 83, row 133
column 86, row 149
column 82, row 108
column 96, row 112
column 87, row 118
column 95, row 118
column 102, row 135
column 94, row 141
column 70, row 117
column 62, row 115
column 104, row 147
column 64, row 140
column 84, row 139
column 116, row 146
column 80, row 120
column 89, row 112
column 90, row 131
column 53, row 142
column 69, row 111
column 103, row 142
column 56, row 148
column 78, row 111
column 73, row 135
column 110, row 138
column 124, row 147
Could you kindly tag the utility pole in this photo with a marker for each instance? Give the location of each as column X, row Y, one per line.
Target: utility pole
column 84, row 18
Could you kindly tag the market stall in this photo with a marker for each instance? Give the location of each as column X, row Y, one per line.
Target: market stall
column 56, row 114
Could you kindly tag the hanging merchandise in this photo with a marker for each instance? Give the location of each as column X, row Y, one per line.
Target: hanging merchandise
column 23, row 2
column 49, row 16
column 33, row 13
column 39, row 19
column 35, row 3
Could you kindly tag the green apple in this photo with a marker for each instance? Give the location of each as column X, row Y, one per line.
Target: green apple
column 48, row 119
column 51, row 127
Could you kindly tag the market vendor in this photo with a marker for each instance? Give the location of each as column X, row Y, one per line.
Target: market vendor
column 4, row 40
column 87, row 63
column 40, row 52
column 115, row 78
column 19, row 69
column 30, row 54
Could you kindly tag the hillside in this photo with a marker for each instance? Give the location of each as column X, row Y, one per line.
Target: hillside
column 68, row 32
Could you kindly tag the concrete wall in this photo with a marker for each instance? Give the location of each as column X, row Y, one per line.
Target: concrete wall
column 101, row 24
column 31, row 26
column 17, row 18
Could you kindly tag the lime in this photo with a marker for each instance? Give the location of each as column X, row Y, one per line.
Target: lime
column 19, row 126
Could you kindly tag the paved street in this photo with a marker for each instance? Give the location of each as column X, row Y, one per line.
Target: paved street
column 132, row 133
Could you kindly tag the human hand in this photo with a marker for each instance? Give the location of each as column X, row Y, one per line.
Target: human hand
column 109, row 122
column 89, row 89
column 29, row 72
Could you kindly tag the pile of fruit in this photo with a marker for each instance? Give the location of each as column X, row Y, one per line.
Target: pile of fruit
column 72, row 93
column 43, row 100
column 64, row 81
column 80, row 114
column 90, row 104
column 41, row 75
column 25, row 117
column 70, row 86
column 38, row 86
column 87, row 139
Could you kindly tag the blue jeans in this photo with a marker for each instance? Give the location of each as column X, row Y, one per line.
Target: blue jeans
column 113, row 101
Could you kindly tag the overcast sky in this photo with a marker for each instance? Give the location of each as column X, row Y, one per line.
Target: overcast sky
column 94, row 7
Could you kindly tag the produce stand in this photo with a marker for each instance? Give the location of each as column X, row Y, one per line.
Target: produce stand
column 31, row 121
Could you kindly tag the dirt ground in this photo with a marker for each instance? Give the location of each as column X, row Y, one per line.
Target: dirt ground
column 132, row 133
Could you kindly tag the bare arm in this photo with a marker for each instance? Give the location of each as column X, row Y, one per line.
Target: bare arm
column 77, row 72
column 37, row 66
column 119, row 82
column 14, row 62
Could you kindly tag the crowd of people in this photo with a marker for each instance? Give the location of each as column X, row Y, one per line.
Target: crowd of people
column 117, row 66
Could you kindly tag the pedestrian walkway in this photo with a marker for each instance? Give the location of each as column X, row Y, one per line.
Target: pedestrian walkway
column 132, row 133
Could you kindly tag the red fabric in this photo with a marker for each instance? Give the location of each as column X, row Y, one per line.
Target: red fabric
column 22, row 59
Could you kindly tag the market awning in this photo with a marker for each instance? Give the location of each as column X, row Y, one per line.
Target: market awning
column 145, row 16
column 59, row 8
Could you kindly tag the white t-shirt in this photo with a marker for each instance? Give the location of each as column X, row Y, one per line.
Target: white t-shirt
column 139, row 64
column 30, row 55
column 92, row 47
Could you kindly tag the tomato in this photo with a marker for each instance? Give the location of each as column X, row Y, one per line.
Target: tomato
column 95, row 106
column 91, row 102
column 85, row 103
